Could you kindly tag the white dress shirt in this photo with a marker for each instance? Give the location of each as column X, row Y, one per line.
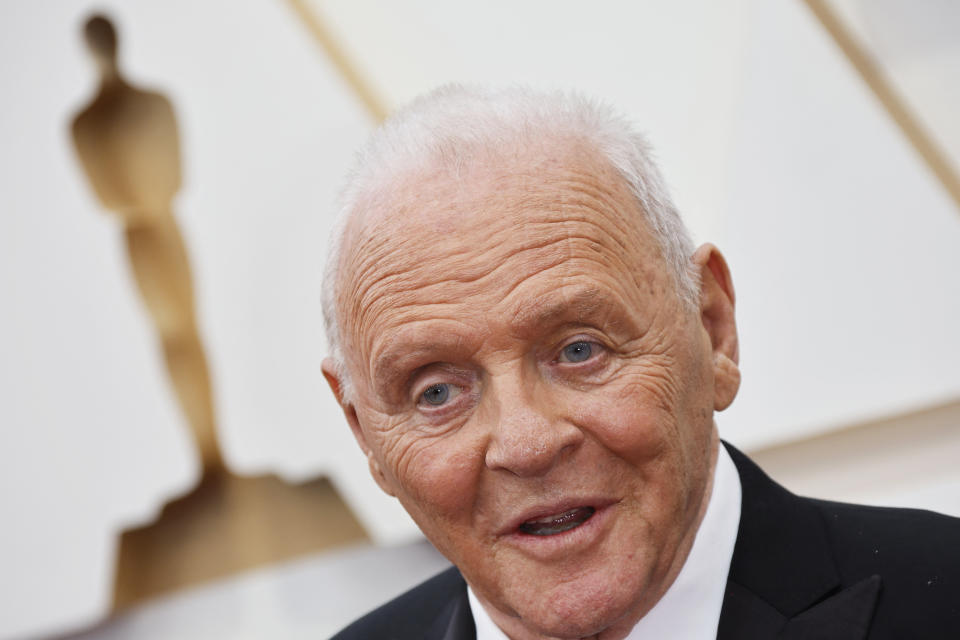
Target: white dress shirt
column 690, row 609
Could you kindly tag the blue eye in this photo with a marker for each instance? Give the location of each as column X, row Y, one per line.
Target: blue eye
column 577, row 352
column 437, row 394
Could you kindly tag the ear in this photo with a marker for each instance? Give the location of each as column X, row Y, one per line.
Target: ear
column 332, row 374
column 717, row 301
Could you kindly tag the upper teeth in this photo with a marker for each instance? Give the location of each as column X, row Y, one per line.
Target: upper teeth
column 557, row 523
column 552, row 518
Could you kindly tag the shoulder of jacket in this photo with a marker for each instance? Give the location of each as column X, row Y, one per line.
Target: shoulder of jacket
column 410, row 614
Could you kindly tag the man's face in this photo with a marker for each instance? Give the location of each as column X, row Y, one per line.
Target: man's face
column 530, row 387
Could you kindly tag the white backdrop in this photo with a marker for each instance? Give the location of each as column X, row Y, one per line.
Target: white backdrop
column 843, row 248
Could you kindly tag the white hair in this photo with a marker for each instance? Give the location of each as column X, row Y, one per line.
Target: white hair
column 453, row 124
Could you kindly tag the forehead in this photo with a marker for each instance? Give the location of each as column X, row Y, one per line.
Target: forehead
column 485, row 233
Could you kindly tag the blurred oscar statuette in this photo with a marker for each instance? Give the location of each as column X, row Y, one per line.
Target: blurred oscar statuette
column 127, row 142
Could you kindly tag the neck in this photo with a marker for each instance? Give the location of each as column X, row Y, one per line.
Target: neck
column 109, row 75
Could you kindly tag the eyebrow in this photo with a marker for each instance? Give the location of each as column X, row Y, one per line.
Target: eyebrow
column 385, row 371
column 581, row 304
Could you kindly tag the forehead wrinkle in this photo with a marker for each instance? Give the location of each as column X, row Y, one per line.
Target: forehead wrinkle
column 574, row 303
column 578, row 194
column 611, row 218
column 410, row 276
column 587, row 216
column 583, row 256
column 589, row 199
column 546, row 311
column 418, row 294
column 372, row 237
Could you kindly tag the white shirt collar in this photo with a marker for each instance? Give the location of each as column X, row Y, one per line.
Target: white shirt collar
column 690, row 609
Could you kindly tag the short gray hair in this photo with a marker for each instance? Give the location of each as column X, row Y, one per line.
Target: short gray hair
column 453, row 123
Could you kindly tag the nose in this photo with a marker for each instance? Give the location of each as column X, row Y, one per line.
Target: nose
column 529, row 435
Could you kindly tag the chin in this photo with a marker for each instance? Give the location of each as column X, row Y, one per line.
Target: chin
column 575, row 624
column 582, row 609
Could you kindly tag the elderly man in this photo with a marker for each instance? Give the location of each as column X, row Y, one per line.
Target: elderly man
column 529, row 351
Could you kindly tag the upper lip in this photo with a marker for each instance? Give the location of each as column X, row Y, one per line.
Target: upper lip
column 543, row 510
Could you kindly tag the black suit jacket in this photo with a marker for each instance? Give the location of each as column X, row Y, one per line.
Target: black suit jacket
column 801, row 568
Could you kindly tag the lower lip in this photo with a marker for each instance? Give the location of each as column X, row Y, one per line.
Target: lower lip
column 572, row 540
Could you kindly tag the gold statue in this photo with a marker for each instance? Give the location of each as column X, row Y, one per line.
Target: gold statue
column 129, row 147
column 128, row 144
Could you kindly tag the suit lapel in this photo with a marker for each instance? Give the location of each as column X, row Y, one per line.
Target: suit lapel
column 783, row 579
column 457, row 623
column 845, row 615
column 452, row 620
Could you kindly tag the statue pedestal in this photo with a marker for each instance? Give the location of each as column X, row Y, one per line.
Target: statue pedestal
column 229, row 523
column 312, row 597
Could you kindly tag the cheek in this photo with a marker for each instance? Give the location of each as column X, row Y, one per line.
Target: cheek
column 632, row 416
column 435, row 476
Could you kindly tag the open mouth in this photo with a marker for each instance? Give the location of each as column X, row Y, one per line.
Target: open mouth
column 557, row 523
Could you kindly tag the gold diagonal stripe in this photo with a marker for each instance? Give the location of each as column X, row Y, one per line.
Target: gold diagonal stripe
column 896, row 106
column 360, row 85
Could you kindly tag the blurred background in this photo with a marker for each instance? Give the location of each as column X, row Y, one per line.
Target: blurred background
column 815, row 142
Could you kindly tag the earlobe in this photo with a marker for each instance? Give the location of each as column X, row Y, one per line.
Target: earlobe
column 726, row 381
column 717, row 300
column 330, row 373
